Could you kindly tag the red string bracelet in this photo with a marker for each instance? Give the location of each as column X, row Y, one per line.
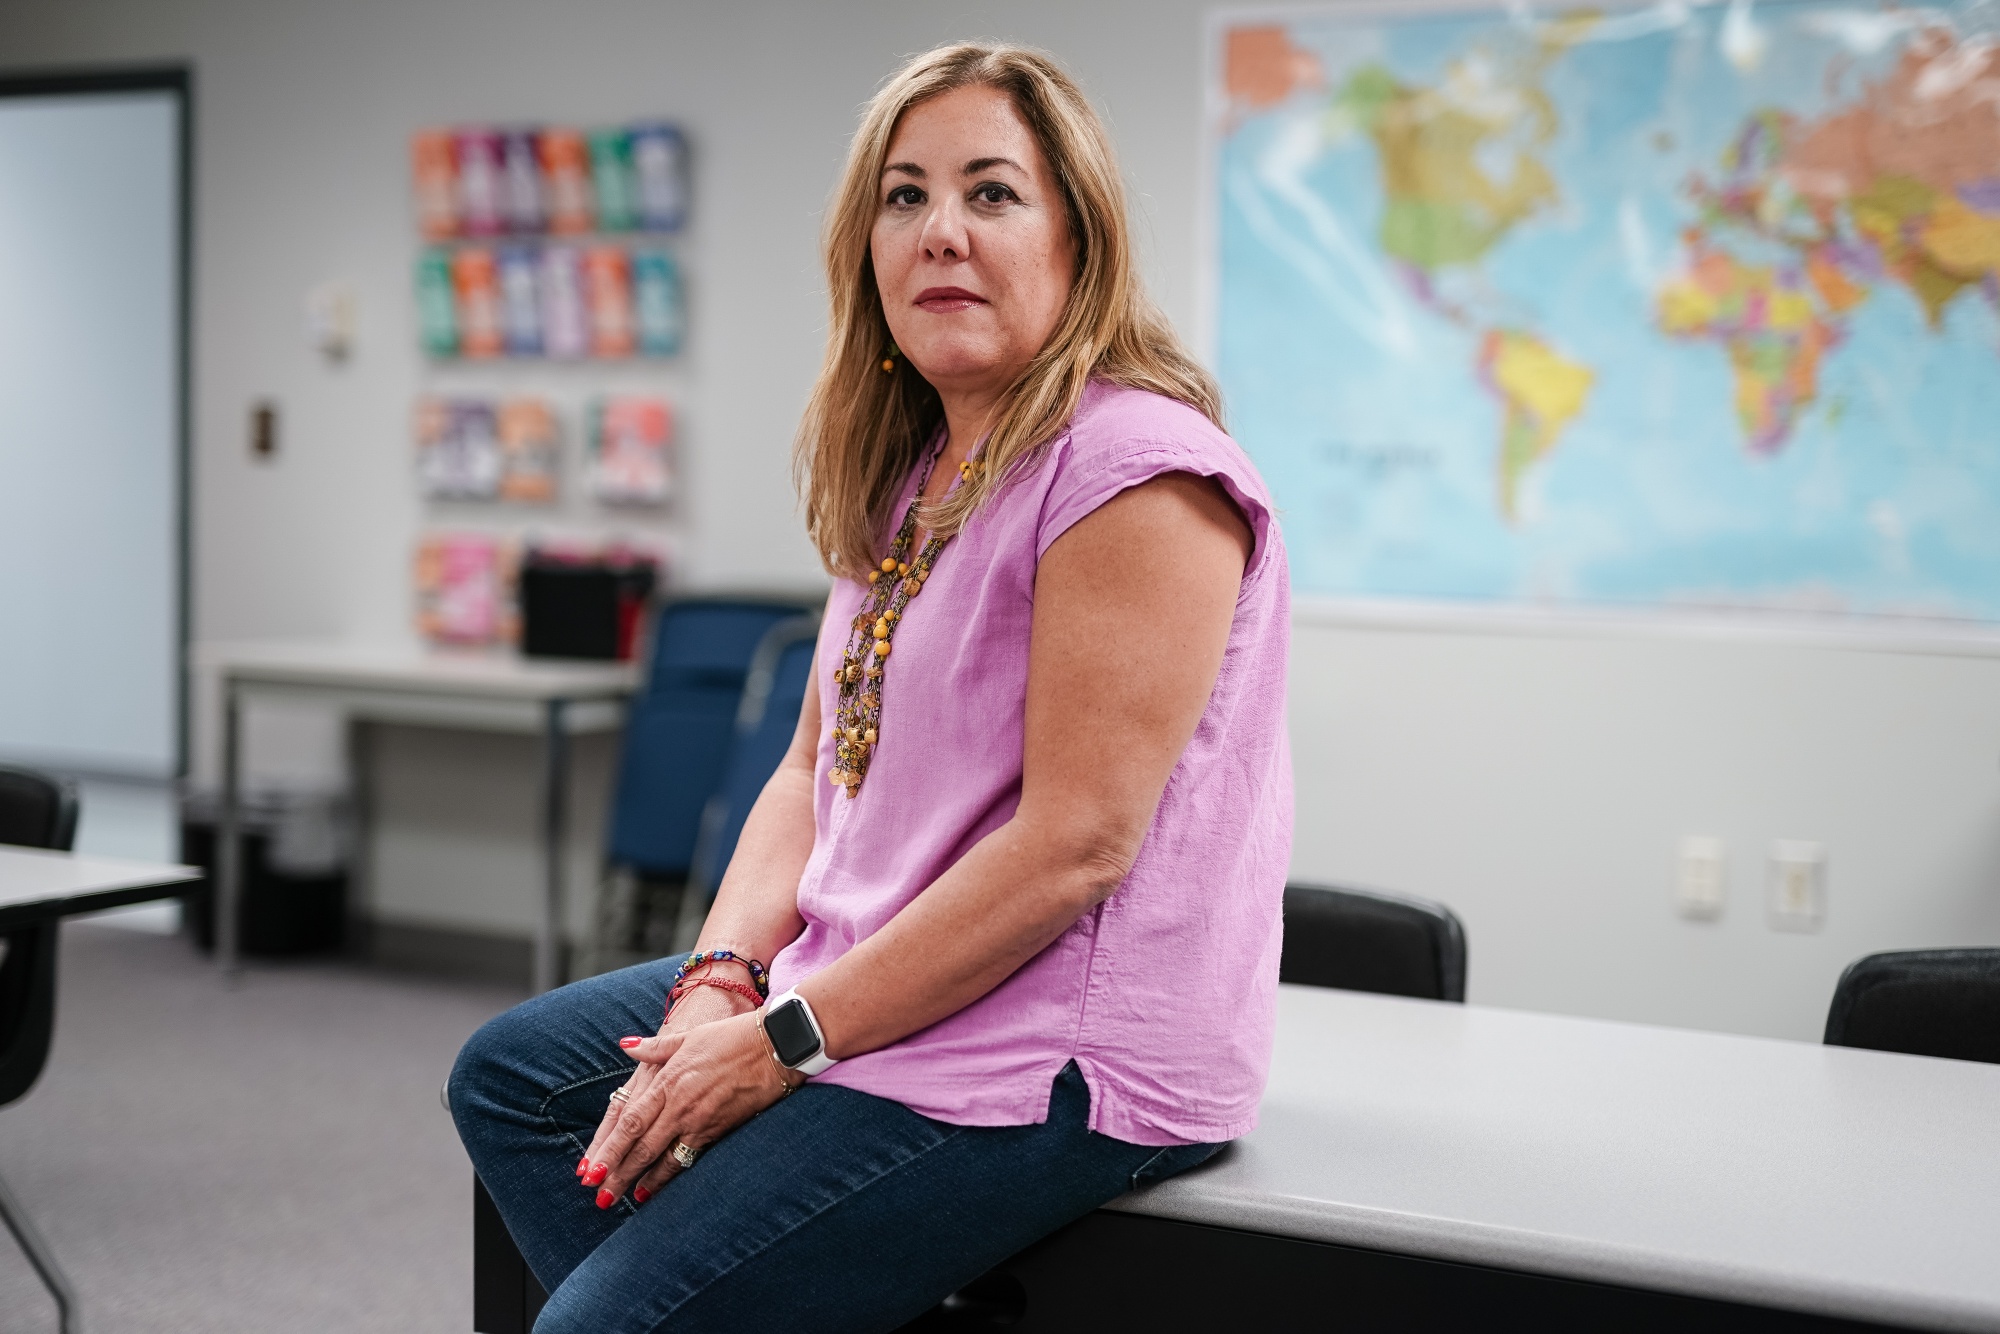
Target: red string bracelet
column 743, row 989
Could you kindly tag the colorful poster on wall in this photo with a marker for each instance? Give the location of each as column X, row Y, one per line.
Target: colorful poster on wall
column 482, row 449
column 519, row 263
column 1668, row 307
column 458, row 449
column 528, row 451
column 629, row 441
column 464, row 589
column 482, row 181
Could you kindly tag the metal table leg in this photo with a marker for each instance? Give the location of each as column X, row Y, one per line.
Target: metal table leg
column 223, row 910
column 361, row 835
column 555, row 844
column 42, row 1259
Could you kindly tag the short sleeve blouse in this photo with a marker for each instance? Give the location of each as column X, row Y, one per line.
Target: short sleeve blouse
column 1165, row 994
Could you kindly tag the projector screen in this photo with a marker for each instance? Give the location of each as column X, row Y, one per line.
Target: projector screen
column 92, row 382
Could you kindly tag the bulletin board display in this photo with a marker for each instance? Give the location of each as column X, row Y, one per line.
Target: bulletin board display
column 550, row 241
column 544, row 245
column 1659, row 308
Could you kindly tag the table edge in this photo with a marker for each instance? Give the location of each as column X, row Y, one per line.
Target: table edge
column 315, row 678
column 14, row 915
column 1555, row 1255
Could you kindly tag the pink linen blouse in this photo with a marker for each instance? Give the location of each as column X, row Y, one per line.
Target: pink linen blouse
column 1164, row 994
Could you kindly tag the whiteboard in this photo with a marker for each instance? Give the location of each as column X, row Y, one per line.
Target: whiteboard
column 91, row 478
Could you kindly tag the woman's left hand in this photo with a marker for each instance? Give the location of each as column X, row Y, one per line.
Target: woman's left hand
column 712, row 1080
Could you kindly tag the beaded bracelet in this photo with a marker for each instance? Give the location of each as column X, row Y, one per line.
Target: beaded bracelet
column 743, row 989
column 693, row 961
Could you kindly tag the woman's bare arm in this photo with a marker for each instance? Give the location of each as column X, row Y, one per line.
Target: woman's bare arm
column 1133, row 607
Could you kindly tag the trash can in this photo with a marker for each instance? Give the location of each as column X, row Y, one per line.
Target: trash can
column 295, row 857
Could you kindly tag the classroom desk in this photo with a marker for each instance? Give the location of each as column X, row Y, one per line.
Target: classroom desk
column 1851, row 1184
column 474, row 691
column 37, row 890
column 1428, row 1167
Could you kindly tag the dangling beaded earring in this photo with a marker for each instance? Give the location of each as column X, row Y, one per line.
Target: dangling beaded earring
column 889, row 359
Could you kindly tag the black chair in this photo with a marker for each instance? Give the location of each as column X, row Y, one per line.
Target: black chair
column 1924, row 1002
column 36, row 811
column 1365, row 940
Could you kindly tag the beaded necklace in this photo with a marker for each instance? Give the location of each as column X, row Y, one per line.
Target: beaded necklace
column 860, row 675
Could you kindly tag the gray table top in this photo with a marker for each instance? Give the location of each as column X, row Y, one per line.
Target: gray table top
column 1852, row 1183
column 36, row 885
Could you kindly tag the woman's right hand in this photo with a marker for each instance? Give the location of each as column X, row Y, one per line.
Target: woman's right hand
column 696, row 1007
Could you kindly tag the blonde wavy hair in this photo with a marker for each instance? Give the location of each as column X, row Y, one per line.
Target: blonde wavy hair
column 863, row 430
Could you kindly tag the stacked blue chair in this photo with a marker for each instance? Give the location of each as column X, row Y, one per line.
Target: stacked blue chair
column 678, row 736
column 764, row 728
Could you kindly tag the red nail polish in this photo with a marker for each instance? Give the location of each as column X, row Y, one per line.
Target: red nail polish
column 582, row 1163
column 595, row 1176
column 605, row 1199
column 629, row 1043
column 640, row 1195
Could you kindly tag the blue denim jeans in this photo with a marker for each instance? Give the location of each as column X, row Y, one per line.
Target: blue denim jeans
column 833, row 1210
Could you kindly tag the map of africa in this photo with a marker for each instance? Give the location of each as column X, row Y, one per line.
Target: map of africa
column 1665, row 307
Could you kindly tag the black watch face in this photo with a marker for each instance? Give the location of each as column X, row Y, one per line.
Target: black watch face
column 792, row 1035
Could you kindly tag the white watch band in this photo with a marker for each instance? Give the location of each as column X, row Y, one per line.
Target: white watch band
column 819, row 1061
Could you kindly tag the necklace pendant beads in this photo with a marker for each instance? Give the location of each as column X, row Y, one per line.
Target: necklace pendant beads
column 860, row 677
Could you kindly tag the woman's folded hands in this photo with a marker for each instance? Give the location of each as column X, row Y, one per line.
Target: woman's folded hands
column 707, row 1071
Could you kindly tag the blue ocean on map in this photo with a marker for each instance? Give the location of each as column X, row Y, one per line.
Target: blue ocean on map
column 1647, row 308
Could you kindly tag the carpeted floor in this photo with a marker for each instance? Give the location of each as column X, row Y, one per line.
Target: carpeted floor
column 269, row 1158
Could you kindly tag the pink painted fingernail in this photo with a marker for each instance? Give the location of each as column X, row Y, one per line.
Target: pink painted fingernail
column 605, row 1199
column 595, row 1176
column 640, row 1195
column 629, row 1043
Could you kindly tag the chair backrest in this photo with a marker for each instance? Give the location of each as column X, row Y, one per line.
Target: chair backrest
column 37, row 810
column 1924, row 1002
column 678, row 732
column 1365, row 940
column 772, row 698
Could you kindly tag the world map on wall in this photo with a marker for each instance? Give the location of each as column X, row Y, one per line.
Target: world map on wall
column 1669, row 307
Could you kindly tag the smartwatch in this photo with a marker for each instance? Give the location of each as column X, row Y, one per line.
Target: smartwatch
column 795, row 1035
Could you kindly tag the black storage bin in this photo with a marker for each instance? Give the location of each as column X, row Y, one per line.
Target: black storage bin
column 582, row 609
column 280, row 911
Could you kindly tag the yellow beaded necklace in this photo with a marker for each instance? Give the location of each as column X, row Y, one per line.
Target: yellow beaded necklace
column 860, row 676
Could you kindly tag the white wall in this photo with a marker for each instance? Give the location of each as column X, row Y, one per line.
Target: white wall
column 1539, row 782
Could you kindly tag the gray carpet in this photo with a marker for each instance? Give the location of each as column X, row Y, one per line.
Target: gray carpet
column 270, row 1158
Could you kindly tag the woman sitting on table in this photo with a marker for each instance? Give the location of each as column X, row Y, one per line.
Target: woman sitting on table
column 1018, row 879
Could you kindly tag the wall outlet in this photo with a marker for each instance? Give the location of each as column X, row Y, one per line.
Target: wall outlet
column 1797, row 881
column 1703, row 879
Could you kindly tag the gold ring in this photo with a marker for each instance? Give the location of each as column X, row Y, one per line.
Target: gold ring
column 620, row 1096
column 685, row 1154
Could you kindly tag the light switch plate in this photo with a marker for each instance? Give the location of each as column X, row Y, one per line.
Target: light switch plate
column 330, row 319
column 1797, row 885
column 1702, row 881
